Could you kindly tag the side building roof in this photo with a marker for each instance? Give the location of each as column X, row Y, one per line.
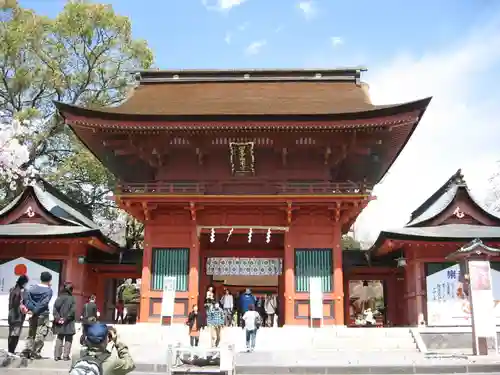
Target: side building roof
column 72, row 220
column 424, row 223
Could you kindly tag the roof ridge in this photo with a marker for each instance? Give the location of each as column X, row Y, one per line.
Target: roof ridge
column 457, row 179
column 51, row 189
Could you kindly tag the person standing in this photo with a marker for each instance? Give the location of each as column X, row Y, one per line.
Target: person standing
column 228, row 306
column 246, row 300
column 215, row 322
column 64, row 322
column 17, row 313
column 252, row 322
column 37, row 299
column 89, row 316
column 270, row 309
column 194, row 323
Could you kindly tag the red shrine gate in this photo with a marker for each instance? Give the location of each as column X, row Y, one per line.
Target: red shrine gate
column 292, row 149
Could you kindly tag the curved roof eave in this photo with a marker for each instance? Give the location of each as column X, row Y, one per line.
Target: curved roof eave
column 378, row 111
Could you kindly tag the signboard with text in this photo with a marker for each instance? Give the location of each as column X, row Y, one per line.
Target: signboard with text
column 168, row 298
column 447, row 304
column 316, row 298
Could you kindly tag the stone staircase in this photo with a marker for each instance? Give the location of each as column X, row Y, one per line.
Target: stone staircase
column 340, row 339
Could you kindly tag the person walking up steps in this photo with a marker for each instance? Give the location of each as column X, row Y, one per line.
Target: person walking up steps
column 252, row 322
column 64, row 322
column 37, row 299
column 17, row 313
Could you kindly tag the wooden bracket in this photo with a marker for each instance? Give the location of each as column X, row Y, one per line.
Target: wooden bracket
column 289, row 212
column 336, row 211
column 328, row 153
column 284, row 154
column 193, row 208
column 148, row 210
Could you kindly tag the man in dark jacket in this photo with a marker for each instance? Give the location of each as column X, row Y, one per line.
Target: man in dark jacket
column 246, row 300
column 64, row 322
column 37, row 299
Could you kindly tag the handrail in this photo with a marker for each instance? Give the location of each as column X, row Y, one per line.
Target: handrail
column 252, row 187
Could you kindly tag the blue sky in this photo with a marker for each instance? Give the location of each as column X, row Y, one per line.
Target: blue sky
column 448, row 49
column 194, row 33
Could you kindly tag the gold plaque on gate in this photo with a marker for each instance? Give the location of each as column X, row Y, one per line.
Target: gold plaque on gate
column 242, row 158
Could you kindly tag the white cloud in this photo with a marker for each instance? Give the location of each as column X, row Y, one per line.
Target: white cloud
column 279, row 29
column 459, row 129
column 336, row 41
column 254, row 48
column 308, row 8
column 221, row 5
column 228, row 37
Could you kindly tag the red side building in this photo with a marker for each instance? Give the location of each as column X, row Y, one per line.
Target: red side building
column 448, row 220
column 44, row 226
column 246, row 178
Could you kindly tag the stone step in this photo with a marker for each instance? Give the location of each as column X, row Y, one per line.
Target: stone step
column 287, row 338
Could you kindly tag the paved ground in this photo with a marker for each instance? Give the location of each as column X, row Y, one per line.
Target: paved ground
column 152, row 360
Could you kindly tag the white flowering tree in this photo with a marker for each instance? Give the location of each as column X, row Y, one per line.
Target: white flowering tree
column 14, row 154
column 493, row 196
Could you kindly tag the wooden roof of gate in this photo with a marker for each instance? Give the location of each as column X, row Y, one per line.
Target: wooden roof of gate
column 172, row 93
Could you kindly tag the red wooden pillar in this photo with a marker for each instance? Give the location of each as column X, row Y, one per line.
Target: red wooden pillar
column 338, row 276
column 194, row 268
column 77, row 274
column 147, row 260
column 415, row 293
column 289, row 278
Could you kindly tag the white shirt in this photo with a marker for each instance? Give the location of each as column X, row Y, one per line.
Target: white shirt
column 249, row 317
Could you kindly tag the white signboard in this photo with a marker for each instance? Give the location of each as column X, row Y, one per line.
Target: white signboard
column 447, row 305
column 316, row 298
column 168, row 299
column 9, row 273
column 482, row 299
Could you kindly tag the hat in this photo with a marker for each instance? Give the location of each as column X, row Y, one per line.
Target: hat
column 97, row 333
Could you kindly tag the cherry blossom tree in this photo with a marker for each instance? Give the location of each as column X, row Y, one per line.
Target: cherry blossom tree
column 14, row 153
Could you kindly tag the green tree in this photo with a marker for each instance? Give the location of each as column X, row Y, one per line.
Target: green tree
column 83, row 56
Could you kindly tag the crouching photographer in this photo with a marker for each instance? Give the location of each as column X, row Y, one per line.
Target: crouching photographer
column 103, row 354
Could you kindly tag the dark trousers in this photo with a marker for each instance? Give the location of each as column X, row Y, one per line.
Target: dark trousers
column 194, row 340
column 269, row 320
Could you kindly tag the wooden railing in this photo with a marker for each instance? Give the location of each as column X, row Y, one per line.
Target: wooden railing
column 251, row 187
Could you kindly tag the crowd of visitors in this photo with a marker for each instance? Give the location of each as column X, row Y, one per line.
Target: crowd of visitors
column 242, row 310
column 102, row 352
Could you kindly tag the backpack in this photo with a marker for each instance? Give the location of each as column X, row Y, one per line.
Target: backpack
column 89, row 365
column 258, row 321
